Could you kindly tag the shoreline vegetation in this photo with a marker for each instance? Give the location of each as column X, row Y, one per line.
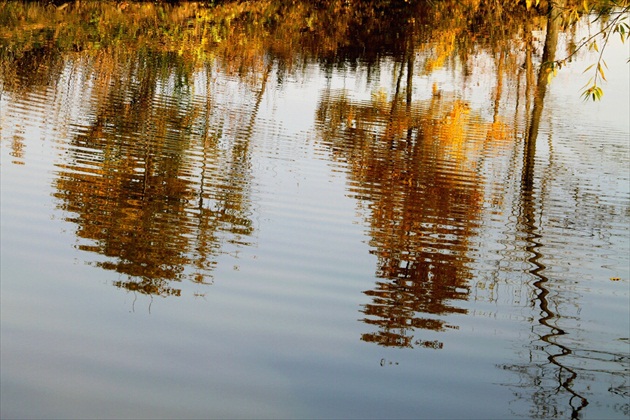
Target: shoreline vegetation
column 245, row 35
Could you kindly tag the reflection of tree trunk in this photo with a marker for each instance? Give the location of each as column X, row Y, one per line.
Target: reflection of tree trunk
column 529, row 72
column 206, row 135
column 397, row 92
column 410, row 64
column 407, row 58
column 259, row 97
column 549, row 54
column 389, row 131
column 528, row 221
column 242, row 145
column 499, row 89
column 240, row 151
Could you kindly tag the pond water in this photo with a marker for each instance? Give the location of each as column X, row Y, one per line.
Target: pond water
column 279, row 221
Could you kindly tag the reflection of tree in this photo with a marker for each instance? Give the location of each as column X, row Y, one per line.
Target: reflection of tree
column 546, row 395
column 158, row 183
column 137, row 188
column 414, row 166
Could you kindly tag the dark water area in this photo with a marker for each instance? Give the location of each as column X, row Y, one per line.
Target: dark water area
column 310, row 210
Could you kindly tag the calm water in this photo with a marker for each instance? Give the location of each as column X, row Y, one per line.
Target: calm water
column 347, row 232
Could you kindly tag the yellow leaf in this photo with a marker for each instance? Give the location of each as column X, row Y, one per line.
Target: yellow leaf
column 601, row 71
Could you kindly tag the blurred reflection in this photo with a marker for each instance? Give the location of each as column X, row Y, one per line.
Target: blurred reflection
column 547, row 402
column 150, row 183
column 415, row 167
column 559, row 370
column 417, row 164
column 156, row 172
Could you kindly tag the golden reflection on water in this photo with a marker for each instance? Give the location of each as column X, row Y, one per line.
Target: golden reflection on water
column 150, row 183
column 157, row 180
column 416, row 165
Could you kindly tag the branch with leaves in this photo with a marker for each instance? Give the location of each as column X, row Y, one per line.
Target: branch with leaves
column 617, row 11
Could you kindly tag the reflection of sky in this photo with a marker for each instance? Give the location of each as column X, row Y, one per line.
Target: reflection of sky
column 614, row 108
column 597, row 134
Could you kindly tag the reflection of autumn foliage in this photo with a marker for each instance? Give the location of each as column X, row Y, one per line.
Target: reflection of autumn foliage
column 416, row 169
column 148, row 185
column 242, row 35
column 146, row 285
column 145, row 186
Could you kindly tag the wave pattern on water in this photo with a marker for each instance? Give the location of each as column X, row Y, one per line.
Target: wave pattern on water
column 382, row 189
column 150, row 186
column 415, row 168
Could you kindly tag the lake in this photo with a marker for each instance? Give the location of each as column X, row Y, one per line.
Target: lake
column 310, row 210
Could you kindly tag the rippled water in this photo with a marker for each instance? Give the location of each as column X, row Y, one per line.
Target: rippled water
column 317, row 244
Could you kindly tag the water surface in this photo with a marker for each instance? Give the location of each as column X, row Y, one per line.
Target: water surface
column 279, row 221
